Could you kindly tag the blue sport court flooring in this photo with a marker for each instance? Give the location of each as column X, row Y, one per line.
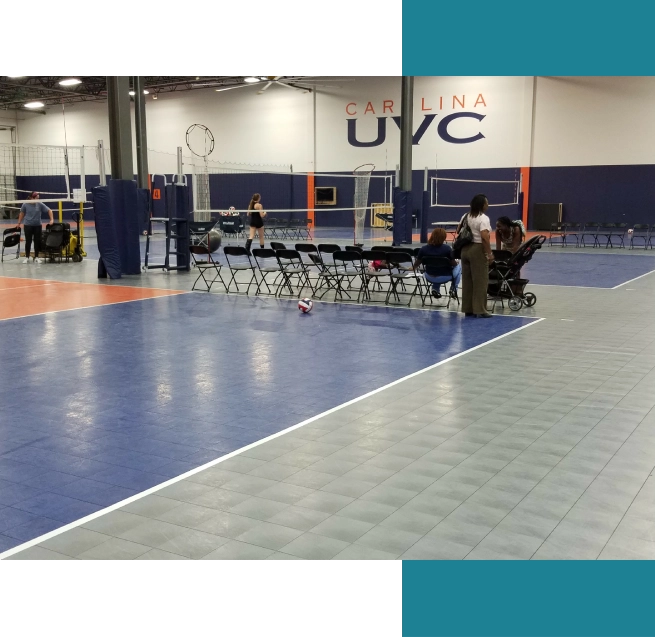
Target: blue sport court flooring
column 101, row 403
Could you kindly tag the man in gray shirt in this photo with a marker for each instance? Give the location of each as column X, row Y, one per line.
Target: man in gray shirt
column 30, row 216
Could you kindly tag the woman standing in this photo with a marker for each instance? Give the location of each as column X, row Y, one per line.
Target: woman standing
column 256, row 214
column 476, row 257
column 31, row 218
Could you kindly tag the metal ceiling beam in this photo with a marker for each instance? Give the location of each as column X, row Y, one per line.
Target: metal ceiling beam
column 94, row 88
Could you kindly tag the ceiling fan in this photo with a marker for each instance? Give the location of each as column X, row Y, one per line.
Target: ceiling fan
column 293, row 82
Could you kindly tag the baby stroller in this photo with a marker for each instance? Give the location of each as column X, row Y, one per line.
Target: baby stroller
column 11, row 239
column 505, row 280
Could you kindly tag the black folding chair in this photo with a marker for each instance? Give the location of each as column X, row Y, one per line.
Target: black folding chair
column 239, row 266
column 296, row 228
column 276, row 245
column 230, row 225
column 327, row 250
column 375, row 269
column 613, row 230
column 558, row 231
column 349, row 266
column 267, row 264
column 11, row 239
column 619, row 232
column 271, row 228
column 643, row 232
column 205, row 267
column 440, row 267
column 291, row 265
column 402, row 270
column 590, row 229
column 573, row 229
column 306, row 248
column 326, row 277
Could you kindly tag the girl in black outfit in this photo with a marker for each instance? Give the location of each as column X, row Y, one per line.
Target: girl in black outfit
column 256, row 214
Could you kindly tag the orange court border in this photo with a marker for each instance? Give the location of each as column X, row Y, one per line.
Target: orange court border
column 21, row 297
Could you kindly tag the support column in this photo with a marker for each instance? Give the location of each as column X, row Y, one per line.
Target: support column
column 120, row 128
column 141, row 136
column 402, row 224
column 406, row 126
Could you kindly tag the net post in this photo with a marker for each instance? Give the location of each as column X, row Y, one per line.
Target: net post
column 61, row 212
column 425, row 207
column 82, row 173
column 194, row 190
column 101, row 163
column 81, row 222
column 180, row 165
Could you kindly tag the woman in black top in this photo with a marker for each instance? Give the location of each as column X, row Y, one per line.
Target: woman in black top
column 256, row 214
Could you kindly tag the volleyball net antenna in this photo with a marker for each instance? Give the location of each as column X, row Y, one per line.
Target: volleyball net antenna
column 57, row 173
column 360, row 200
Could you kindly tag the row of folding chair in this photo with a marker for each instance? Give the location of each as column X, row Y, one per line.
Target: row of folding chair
column 598, row 233
column 286, row 229
column 397, row 267
column 236, row 226
column 279, row 271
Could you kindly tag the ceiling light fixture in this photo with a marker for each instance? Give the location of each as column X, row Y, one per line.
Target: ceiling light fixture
column 34, row 105
column 70, row 82
column 15, row 77
column 251, row 80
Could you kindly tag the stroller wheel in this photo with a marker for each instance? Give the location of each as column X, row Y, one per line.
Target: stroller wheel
column 515, row 303
column 529, row 299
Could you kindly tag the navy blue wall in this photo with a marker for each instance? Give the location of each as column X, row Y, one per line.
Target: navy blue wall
column 49, row 183
column 588, row 193
column 327, row 216
column 596, row 193
column 461, row 193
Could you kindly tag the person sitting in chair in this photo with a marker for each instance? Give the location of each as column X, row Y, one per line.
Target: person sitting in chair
column 437, row 248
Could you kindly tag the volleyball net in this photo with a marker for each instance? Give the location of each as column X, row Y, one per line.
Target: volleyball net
column 451, row 192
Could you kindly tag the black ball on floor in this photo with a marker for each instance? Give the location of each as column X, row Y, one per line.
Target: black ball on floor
column 214, row 240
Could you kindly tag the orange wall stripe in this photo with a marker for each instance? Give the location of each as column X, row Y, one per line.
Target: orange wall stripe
column 310, row 200
column 525, row 175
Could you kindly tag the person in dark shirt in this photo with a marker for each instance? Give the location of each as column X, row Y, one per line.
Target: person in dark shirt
column 30, row 216
column 437, row 248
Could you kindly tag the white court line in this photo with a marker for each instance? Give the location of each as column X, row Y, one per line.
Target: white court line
column 631, row 280
column 212, row 463
column 88, row 307
column 573, row 287
column 376, row 306
column 24, row 287
column 119, row 285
